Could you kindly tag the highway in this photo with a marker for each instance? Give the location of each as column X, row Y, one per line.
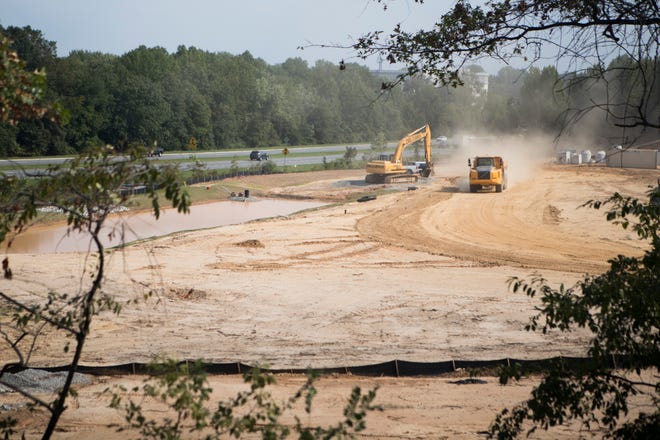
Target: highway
column 219, row 159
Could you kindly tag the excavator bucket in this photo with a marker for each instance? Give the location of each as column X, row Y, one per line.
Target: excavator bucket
column 427, row 171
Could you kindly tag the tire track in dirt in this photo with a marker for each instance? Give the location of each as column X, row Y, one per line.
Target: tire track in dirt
column 508, row 228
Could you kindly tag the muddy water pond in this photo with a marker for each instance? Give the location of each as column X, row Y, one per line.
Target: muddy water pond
column 128, row 227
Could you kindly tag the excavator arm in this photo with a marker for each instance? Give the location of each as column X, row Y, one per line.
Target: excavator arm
column 421, row 133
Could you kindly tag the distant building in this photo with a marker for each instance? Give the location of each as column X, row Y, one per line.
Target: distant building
column 388, row 75
column 482, row 81
column 477, row 81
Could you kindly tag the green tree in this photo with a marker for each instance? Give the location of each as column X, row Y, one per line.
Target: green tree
column 267, row 167
column 31, row 46
column 44, row 137
column 85, row 84
column 223, row 100
column 621, row 308
column 349, row 155
column 379, row 143
column 8, row 144
column 151, row 63
column 29, row 51
column 233, row 167
column 502, row 110
column 86, row 190
column 500, row 114
column 626, row 83
column 141, row 106
column 423, row 103
column 21, row 91
column 542, row 101
column 582, row 35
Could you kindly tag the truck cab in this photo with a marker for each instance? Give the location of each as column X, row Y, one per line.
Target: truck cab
column 488, row 172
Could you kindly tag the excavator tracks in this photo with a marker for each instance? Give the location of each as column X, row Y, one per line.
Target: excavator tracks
column 391, row 178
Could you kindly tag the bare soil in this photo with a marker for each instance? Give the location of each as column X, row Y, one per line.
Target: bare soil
column 418, row 274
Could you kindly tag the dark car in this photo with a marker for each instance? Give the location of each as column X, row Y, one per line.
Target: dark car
column 157, row 152
column 258, row 155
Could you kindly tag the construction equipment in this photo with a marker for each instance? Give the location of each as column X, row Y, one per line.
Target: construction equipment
column 392, row 170
column 487, row 172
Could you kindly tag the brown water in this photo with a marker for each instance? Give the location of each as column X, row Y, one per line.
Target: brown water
column 127, row 227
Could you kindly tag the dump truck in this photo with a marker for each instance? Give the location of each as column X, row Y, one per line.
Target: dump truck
column 391, row 169
column 488, row 172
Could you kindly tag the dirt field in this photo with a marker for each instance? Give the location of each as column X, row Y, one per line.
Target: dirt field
column 413, row 275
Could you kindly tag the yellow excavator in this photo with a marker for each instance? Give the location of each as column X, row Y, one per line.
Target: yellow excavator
column 393, row 170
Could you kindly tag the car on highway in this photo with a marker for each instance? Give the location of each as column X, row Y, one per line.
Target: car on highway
column 156, row 152
column 258, row 155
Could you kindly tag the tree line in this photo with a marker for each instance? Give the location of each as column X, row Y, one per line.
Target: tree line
column 199, row 100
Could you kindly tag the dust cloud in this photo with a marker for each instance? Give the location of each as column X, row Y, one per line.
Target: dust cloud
column 524, row 154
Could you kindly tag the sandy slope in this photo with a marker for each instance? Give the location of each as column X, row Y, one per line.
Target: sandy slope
column 413, row 275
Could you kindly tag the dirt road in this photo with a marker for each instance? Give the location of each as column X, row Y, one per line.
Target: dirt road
column 536, row 224
column 413, row 275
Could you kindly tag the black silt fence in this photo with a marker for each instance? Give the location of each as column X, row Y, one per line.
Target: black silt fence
column 395, row 368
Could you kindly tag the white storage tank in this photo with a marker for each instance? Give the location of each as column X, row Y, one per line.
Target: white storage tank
column 576, row 159
column 564, row 157
column 600, row 156
column 585, row 156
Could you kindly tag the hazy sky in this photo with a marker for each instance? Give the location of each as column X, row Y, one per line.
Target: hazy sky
column 269, row 29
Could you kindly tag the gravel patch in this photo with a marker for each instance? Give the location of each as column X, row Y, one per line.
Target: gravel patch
column 40, row 381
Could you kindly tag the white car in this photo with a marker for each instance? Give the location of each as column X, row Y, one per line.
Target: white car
column 415, row 167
